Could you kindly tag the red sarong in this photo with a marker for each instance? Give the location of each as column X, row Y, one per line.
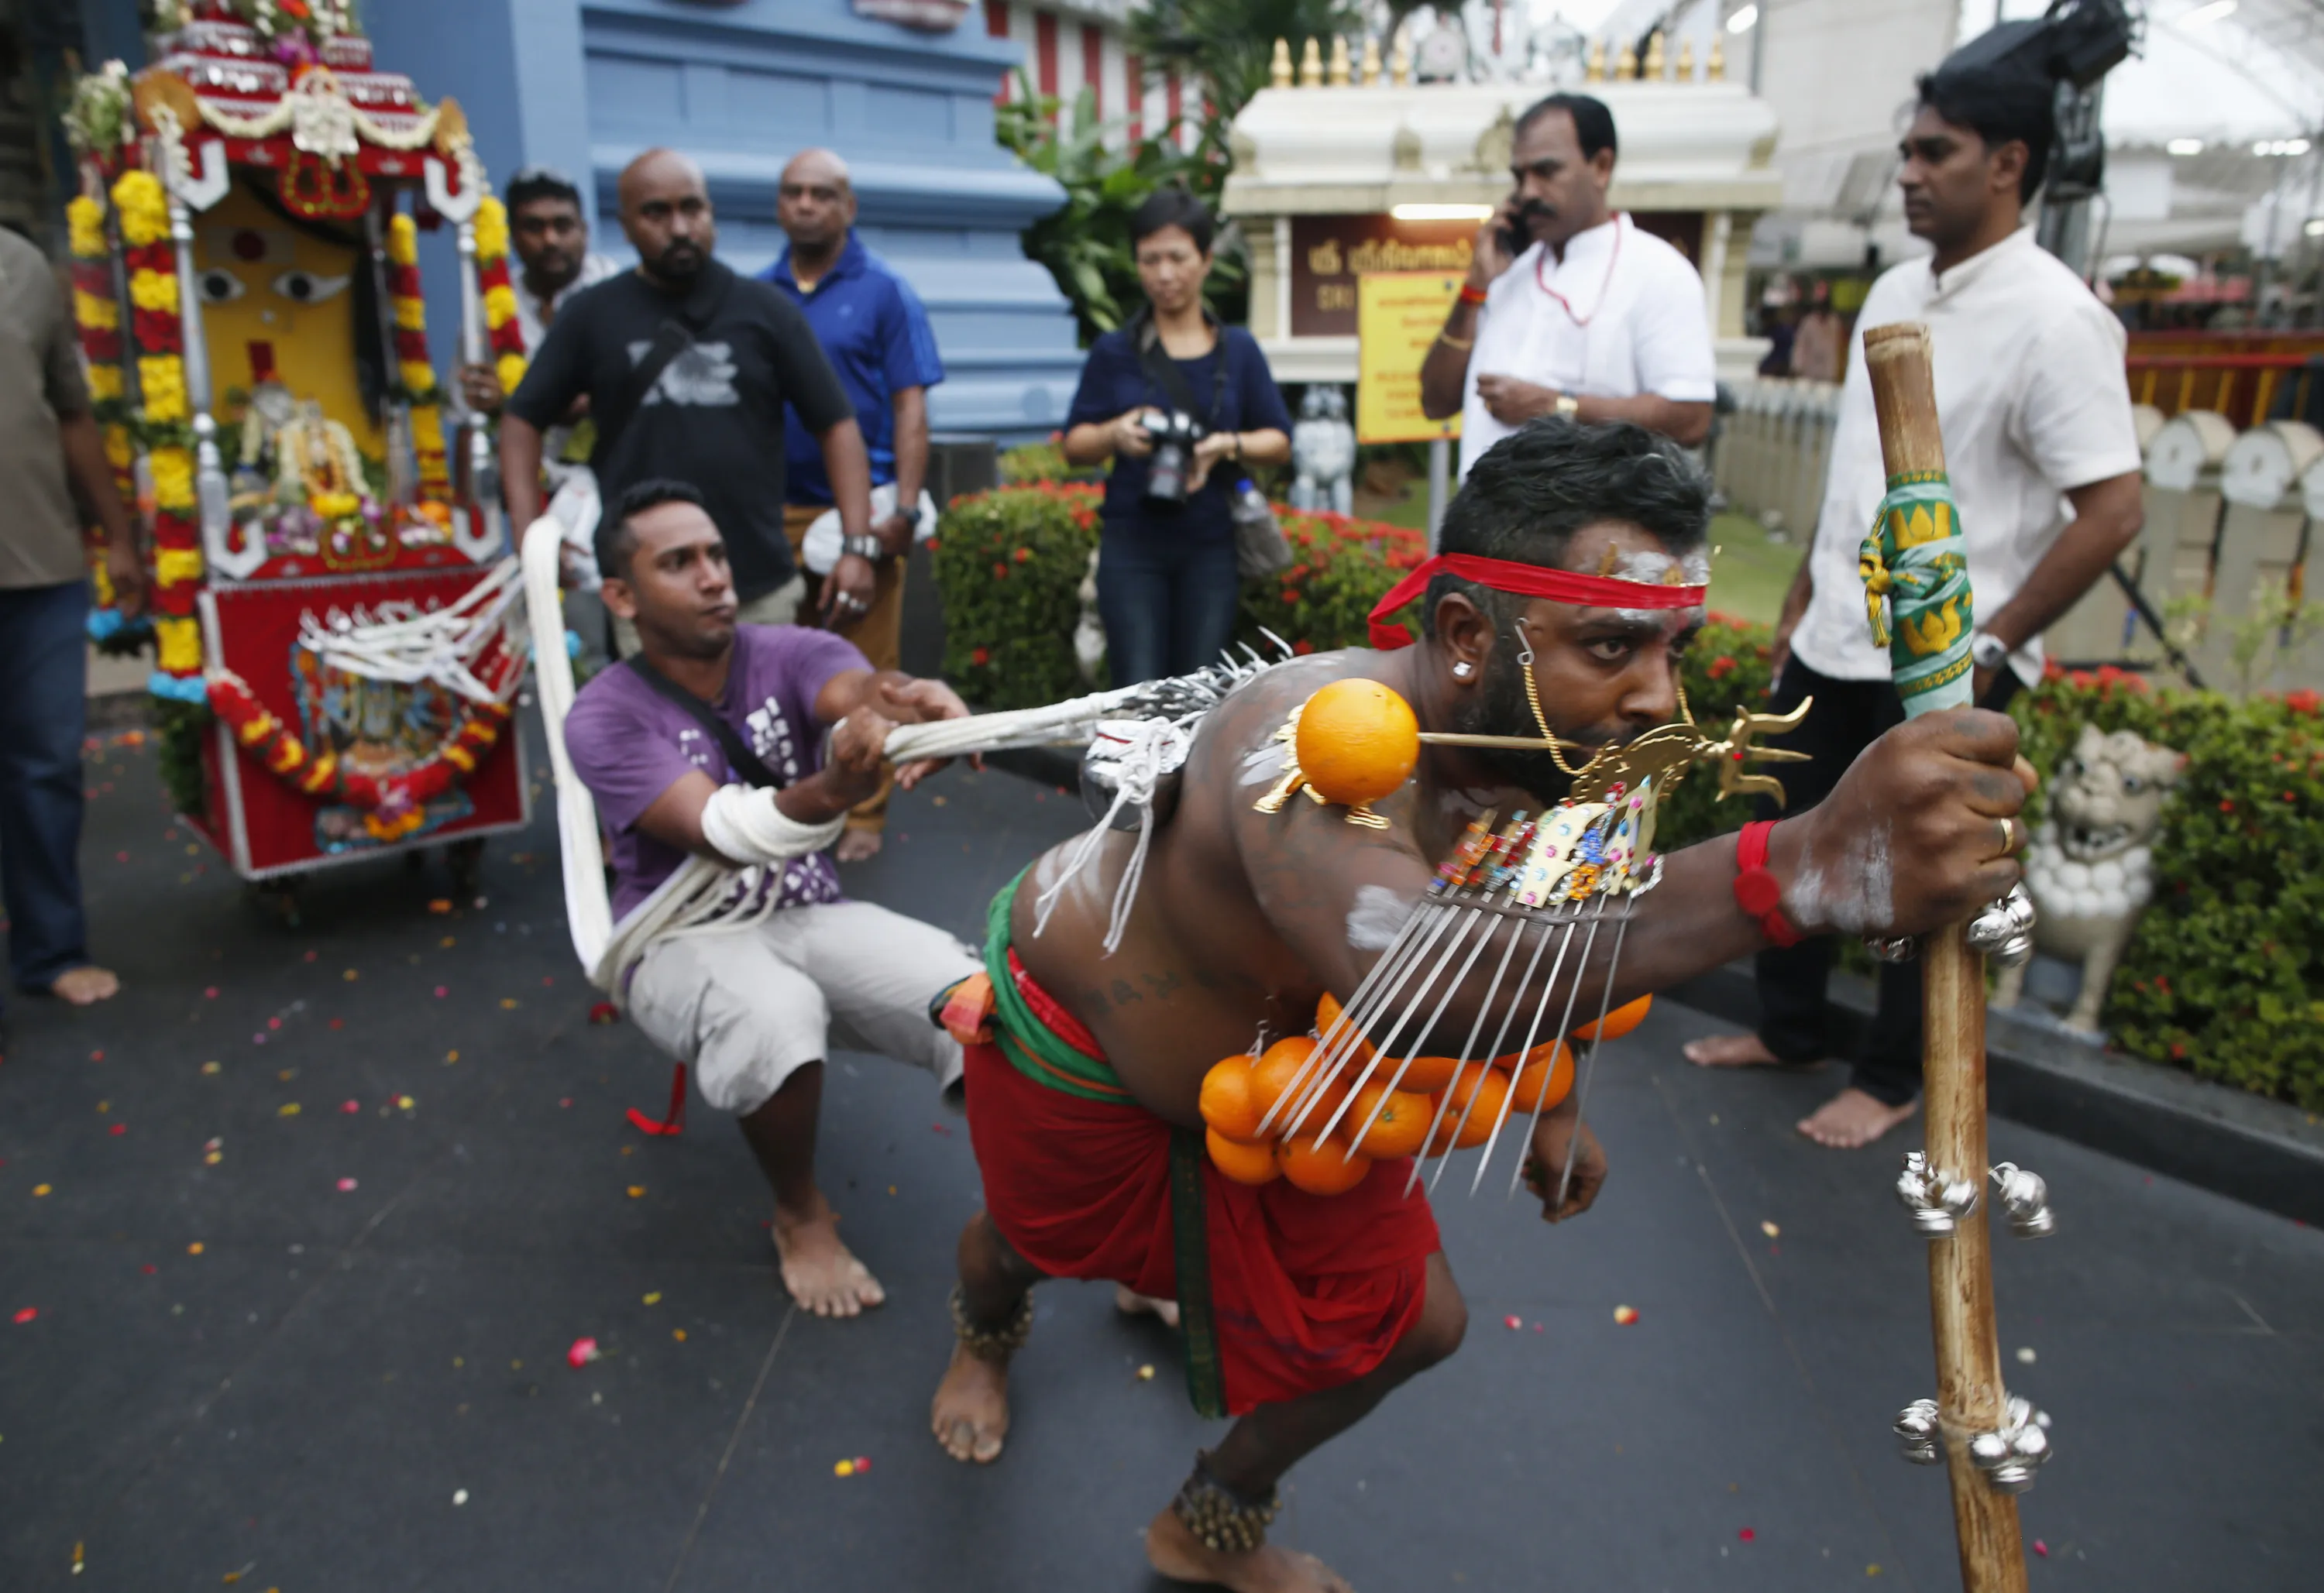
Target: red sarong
column 1308, row 1292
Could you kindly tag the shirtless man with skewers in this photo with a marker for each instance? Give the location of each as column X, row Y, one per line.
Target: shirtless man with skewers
column 1301, row 1312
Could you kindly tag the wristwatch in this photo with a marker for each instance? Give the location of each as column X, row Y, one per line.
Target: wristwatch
column 867, row 548
column 1567, row 407
column 1986, row 651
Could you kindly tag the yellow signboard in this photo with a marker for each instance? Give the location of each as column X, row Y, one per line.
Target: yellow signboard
column 1397, row 317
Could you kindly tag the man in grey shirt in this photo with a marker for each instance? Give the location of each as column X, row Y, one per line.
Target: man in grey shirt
column 52, row 457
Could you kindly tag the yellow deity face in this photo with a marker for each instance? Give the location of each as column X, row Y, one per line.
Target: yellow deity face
column 272, row 294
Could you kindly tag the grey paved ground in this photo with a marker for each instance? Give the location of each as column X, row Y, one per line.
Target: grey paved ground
column 303, row 1401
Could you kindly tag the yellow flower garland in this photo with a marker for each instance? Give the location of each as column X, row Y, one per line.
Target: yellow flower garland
column 161, row 377
column 492, row 229
column 173, row 478
column 151, row 290
column 85, row 227
column 410, row 311
column 143, row 207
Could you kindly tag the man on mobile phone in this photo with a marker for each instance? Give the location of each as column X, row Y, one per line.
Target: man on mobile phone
column 1570, row 308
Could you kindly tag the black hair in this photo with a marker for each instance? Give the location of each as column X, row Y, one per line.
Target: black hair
column 535, row 183
column 2001, row 105
column 1593, row 124
column 1524, row 501
column 1172, row 207
column 617, row 538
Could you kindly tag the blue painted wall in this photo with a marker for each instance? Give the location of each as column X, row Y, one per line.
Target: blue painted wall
column 584, row 87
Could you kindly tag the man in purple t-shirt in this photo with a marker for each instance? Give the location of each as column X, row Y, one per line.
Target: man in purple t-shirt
column 750, row 1008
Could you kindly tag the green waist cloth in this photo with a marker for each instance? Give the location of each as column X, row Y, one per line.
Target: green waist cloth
column 1036, row 1051
column 1031, row 1046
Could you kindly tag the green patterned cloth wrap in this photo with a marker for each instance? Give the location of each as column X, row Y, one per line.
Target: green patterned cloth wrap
column 1916, row 567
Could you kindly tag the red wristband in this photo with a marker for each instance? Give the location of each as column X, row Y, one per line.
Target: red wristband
column 1470, row 295
column 1757, row 891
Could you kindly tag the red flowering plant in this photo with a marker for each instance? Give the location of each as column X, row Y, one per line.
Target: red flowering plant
column 2225, row 976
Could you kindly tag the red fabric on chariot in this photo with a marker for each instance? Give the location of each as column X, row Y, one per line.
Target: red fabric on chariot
column 1308, row 1292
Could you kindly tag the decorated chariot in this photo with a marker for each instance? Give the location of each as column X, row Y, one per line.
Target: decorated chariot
column 334, row 612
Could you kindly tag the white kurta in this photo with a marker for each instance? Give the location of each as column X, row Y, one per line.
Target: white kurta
column 2033, row 401
column 1621, row 314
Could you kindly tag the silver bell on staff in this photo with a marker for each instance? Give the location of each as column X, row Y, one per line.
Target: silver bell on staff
column 2026, row 1199
column 1937, row 1200
column 2004, row 932
column 1920, row 1434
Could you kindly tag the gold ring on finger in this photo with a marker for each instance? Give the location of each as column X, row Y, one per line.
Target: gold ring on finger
column 2008, row 837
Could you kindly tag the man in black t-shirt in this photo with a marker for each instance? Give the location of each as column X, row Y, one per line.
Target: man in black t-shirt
column 722, row 355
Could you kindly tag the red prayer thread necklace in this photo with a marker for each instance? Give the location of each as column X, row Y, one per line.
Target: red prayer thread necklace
column 1542, row 281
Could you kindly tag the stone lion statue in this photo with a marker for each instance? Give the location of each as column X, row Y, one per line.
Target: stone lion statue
column 1324, row 451
column 2090, row 866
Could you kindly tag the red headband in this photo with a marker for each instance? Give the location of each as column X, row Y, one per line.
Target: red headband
column 1525, row 580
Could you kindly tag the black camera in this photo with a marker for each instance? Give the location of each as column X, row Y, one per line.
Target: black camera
column 1174, row 434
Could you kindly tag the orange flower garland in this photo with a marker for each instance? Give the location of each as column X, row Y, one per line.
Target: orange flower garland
column 160, row 333
column 418, row 373
column 397, row 805
column 504, row 330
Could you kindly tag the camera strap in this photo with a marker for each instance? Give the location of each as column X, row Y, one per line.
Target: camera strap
column 1164, row 373
column 744, row 761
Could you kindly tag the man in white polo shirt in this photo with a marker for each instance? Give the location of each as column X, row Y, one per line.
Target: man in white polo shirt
column 2035, row 408
column 1570, row 308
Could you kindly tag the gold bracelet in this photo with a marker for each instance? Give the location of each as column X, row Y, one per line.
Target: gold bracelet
column 1463, row 344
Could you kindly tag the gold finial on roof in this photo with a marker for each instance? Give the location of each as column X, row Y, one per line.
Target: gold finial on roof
column 1400, row 64
column 1371, row 62
column 1278, row 70
column 1714, row 68
column 1655, row 58
column 1338, row 78
column 1626, row 69
column 1597, row 60
column 1686, row 61
column 1311, row 66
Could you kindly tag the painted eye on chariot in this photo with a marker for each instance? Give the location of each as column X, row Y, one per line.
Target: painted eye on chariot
column 304, row 287
column 220, row 286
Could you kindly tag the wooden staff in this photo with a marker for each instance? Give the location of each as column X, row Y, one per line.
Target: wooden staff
column 1952, row 1073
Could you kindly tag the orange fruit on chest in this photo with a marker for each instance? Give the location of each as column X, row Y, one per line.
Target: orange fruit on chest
column 1426, row 1074
column 1227, row 1105
column 1545, row 1080
column 1617, row 1023
column 1490, row 1087
column 1399, row 1128
column 1357, row 741
column 1278, row 1069
column 1349, row 1041
column 1324, row 1170
column 1244, row 1164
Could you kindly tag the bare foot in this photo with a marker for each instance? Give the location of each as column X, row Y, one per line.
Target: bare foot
column 1730, row 1051
column 85, row 987
column 970, row 1416
column 1852, row 1119
column 855, row 845
column 822, row 1274
column 1179, row 1555
column 1129, row 1303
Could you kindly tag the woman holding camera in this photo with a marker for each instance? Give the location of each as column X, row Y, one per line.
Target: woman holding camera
column 1183, row 408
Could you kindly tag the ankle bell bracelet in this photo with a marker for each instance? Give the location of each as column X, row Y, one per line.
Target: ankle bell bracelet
column 1218, row 1516
column 997, row 1344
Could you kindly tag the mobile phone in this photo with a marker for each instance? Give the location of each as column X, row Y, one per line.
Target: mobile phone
column 1513, row 240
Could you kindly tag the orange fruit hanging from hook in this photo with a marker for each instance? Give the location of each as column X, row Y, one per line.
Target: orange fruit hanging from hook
column 1617, row 1023
column 1244, row 1164
column 1357, row 741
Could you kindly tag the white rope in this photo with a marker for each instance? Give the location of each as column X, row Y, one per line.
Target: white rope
column 1151, row 748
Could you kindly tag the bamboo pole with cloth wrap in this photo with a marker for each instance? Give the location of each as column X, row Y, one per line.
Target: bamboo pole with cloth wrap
column 1914, row 568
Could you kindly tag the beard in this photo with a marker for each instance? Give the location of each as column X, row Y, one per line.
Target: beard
column 1501, row 709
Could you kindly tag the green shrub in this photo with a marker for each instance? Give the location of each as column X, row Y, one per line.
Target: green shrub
column 1009, row 563
column 1726, row 668
column 2224, row 975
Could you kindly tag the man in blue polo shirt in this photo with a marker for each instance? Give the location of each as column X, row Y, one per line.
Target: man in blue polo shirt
column 876, row 336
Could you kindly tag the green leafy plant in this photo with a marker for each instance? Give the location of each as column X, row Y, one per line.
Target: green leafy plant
column 1009, row 563
column 1032, row 462
column 1106, row 176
